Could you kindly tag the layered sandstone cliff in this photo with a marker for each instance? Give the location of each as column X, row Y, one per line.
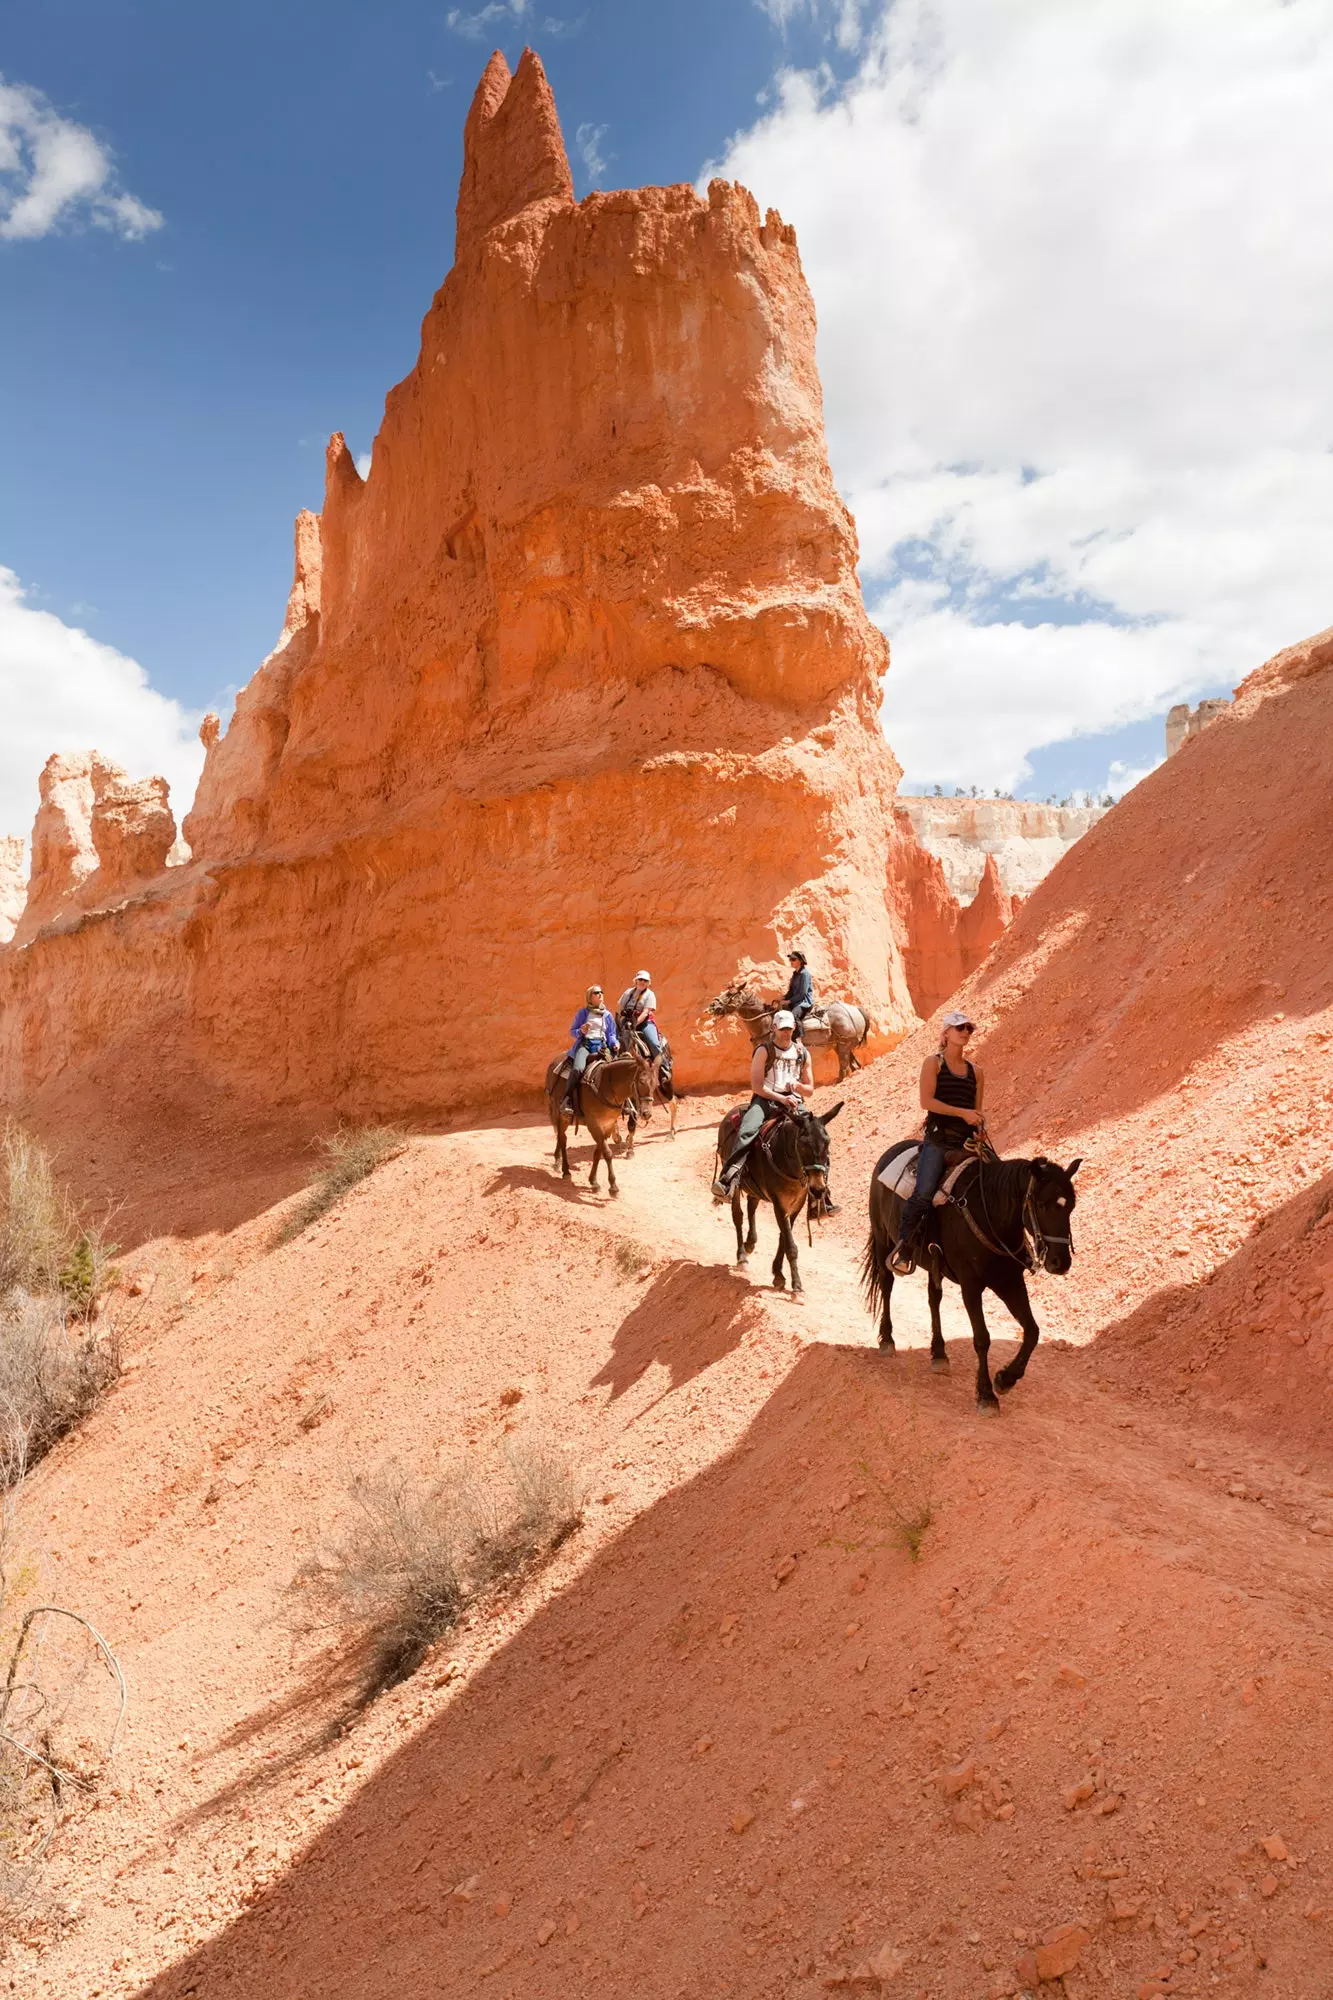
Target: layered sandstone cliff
column 13, row 884
column 1025, row 837
column 578, row 679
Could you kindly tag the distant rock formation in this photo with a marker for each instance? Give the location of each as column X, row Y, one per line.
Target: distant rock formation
column 578, row 679
column 13, row 884
column 1025, row 837
column 947, row 939
column 98, row 836
column 1182, row 723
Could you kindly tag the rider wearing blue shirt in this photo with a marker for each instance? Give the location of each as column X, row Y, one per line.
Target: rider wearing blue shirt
column 594, row 1033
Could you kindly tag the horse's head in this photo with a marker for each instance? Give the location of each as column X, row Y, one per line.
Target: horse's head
column 810, row 1141
column 1047, row 1211
column 737, row 999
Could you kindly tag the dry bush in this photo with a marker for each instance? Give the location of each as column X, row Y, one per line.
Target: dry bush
column 390, row 1583
column 53, row 1370
column 414, row 1556
column 510, row 1532
column 350, row 1156
column 45, row 1246
column 62, row 1701
column 631, row 1257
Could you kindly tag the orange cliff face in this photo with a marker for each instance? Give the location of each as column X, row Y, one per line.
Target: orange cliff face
column 578, row 679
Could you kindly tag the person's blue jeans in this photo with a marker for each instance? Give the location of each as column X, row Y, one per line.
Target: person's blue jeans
column 929, row 1174
column 652, row 1037
column 584, row 1054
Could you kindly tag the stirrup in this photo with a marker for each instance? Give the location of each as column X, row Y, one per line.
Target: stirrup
column 902, row 1259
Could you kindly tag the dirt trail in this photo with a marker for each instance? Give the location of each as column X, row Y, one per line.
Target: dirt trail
column 736, row 1739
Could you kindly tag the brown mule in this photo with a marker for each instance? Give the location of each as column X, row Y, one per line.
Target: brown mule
column 786, row 1164
column 603, row 1095
column 844, row 1027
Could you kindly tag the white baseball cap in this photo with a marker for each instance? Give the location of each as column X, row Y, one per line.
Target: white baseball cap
column 782, row 1019
column 957, row 1021
column 645, row 975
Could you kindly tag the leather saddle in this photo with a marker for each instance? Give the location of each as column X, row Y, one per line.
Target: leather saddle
column 732, row 1125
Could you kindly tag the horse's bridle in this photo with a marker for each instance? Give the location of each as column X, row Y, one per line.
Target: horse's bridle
column 1033, row 1259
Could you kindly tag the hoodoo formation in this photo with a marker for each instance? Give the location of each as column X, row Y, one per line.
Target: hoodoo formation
column 578, row 678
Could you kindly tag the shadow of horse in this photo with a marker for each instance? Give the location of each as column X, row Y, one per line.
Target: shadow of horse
column 690, row 1318
column 545, row 1182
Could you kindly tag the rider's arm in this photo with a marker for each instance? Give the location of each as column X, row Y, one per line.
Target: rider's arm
column 806, row 1086
column 929, row 1101
column 576, row 1025
column 758, row 1067
column 981, row 1087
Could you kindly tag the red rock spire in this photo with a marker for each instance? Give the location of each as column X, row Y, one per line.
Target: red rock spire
column 513, row 153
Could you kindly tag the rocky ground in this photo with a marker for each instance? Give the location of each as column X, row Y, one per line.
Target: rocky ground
column 838, row 1687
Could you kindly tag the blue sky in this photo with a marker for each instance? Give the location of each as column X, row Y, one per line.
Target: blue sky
column 1078, row 498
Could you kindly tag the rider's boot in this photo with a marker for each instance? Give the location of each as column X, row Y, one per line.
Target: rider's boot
column 902, row 1257
column 725, row 1184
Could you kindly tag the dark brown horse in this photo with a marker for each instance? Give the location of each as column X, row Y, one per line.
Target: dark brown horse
column 787, row 1163
column 653, row 1080
column 603, row 1095
column 1004, row 1219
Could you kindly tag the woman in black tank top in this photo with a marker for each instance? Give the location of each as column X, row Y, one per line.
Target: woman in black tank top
column 951, row 1096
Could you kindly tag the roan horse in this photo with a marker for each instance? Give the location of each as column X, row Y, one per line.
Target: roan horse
column 786, row 1164
column 653, row 1081
column 603, row 1095
column 844, row 1026
column 1005, row 1218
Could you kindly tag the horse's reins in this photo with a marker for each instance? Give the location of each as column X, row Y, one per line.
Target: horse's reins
column 1033, row 1259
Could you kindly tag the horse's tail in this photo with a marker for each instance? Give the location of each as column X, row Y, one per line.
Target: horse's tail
column 872, row 1272
column 865, row 1032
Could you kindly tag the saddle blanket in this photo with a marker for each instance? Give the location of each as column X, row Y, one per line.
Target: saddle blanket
column 899, row 1177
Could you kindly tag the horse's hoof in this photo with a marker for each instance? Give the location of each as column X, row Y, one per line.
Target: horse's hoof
column 987, row 1409
column 887, row 1347
column 940, row 1363
column 779, row 1284
column 1004, row 1382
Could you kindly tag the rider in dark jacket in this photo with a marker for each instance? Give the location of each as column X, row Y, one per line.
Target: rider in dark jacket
column 799, row 998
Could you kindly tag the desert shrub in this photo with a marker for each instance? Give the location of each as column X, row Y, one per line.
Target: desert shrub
column 45, row 1247
column 53, row 1369
column 511, row 1531
column 389, row 1583
column 414, row 1555
column 350, row 1155
column 62, row 1701
column 631, row 1257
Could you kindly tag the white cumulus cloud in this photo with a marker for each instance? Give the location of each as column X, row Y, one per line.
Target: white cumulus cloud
column 1074, row 277
column 60, row 689
column 54, row 172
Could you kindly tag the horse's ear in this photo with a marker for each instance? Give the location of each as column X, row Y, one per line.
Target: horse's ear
column 827, row 1117
column 1073, row 1167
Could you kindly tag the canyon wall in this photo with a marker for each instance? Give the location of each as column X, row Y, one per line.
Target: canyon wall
column 13, row 884
column 578, row 679
column 1025, row 837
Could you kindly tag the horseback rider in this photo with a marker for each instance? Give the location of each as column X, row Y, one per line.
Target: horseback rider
column 799, row 998
column 951, row 1095
column 594, row 1032
column 638, row 1005
column 781, row 1076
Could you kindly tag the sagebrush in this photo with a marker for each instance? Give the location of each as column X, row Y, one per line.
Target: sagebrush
column 46, row 1247
column 350, row 1155
column 55, row 1361
column 414, row 1555
column 54, row 1368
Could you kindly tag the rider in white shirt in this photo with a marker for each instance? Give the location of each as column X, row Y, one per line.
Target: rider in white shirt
column 781, row 1076
column 638, row 1003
